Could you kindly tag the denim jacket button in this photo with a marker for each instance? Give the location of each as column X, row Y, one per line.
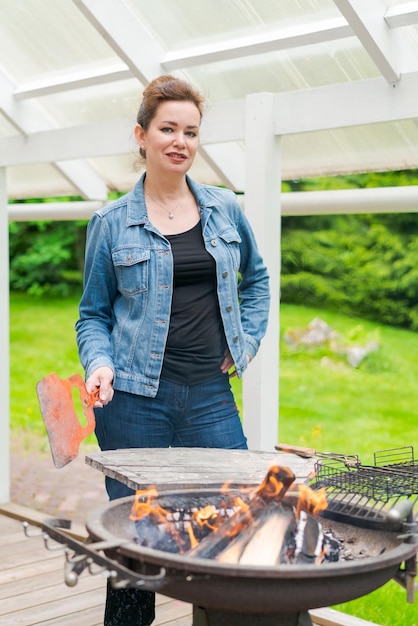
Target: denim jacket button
column 214, row 242
column 235, row 339
column 229, row 309
column 224, row 274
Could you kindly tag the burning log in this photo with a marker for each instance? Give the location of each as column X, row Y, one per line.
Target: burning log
column 269, row 528
column 151, row 524
column 240, row 535
column 309, row 538
column 264, row 542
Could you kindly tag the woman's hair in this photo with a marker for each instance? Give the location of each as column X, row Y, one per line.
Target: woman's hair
column 166, row 88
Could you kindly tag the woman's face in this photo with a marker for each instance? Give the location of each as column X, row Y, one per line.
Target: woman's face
column 171, row 140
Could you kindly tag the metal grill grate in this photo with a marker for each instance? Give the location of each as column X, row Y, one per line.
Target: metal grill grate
column 367, row 492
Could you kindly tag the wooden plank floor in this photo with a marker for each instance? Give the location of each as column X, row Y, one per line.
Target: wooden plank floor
column 33, row 591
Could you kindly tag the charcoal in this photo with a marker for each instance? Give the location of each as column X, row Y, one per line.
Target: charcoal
column 159, row 536
column 331, row 548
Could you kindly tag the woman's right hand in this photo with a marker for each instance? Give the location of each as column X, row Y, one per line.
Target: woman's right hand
column 101, row 380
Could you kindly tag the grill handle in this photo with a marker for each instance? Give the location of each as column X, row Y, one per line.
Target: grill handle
column 87, row 556
column 349, row 460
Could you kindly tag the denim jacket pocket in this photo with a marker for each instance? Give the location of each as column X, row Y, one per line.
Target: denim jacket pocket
column 232, row 240
column 131, row 266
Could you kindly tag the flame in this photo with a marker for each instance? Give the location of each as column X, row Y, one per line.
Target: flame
column 311, row 501
column 276, row 482
column 156, row 513
column 240, row 513
column 207, row 516
column 140, row 508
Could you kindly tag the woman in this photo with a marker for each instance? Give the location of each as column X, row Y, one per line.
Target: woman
column 175, row 302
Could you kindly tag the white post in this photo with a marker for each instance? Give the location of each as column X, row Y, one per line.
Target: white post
column 262, row 207
column 4, row 344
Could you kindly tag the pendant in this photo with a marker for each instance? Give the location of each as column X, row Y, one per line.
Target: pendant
column 171, row 215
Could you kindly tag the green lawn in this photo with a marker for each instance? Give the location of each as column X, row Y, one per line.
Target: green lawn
column 327, row 404
column 324, row 403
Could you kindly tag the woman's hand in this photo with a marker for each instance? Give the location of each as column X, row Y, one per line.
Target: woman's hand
column 101, row 379
column 228, row 362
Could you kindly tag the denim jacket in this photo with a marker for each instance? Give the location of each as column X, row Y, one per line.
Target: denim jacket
column 128, row 285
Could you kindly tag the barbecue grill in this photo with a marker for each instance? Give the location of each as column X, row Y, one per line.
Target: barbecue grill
column 231, row 594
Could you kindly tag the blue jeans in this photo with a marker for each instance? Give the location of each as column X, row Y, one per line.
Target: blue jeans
column 196, row 416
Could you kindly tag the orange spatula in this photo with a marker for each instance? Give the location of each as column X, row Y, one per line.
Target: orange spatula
column 65, row 433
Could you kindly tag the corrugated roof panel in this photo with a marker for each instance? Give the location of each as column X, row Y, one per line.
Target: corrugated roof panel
column 65, row 64
column 383, row 147
column 37, row 181
column 48, row 38
column 304, row 68
column 181, row 23
column 92, row 104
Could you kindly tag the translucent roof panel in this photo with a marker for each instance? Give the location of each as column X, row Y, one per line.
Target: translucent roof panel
column 41, row 180
column 344, row 75
column 49, row 39
column 186, row 23
column 308, row 67
column 397, row 150
column 91, row 104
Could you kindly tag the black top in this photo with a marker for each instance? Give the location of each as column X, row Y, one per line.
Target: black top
column 196, row 341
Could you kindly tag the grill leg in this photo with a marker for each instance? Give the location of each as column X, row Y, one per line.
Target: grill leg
column 213, row 617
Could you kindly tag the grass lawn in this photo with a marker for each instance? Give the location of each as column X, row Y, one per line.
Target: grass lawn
column 324, row 402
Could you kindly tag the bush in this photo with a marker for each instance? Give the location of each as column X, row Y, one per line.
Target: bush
column 46, row 257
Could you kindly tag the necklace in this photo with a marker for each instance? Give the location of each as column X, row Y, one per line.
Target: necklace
column 171, row 214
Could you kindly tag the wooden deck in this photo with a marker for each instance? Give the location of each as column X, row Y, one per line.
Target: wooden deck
column 33, row 592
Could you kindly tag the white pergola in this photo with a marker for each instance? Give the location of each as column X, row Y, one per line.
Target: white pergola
column 296, row 88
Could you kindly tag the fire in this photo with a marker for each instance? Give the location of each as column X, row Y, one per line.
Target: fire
column 148, row 509
column 311, row 501
column 237, row 526
column 276, row 482
column 140, row 508
column 208, row 516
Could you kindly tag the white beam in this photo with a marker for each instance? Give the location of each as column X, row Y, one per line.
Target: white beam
column 258, row 43
column 84, row 178
column 262, row 207
column 332, row 202
column 232, row 157
column 88, row 141
column 142, row 53
column 294, row 112
column 322, row 108
column 4, row 345
column 126, row 35
column 373, row 101
column 66, row 82
column 352, row 201
column 382, row 45
column 25, row 117
column 402, row 14
column 32, row 211
column 28, row 118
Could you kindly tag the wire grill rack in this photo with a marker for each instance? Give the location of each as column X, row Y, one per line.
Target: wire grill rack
column 367, row 492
